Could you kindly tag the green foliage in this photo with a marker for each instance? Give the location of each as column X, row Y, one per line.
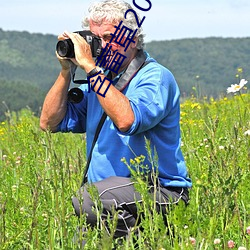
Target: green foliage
column 14, row 95
column 208, row 62
column 40, row 172
column 203, row 67
column 36, row 184
column 28, row 68
column 28, row 58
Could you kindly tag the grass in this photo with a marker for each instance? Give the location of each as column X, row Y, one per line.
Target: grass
column 40, row 172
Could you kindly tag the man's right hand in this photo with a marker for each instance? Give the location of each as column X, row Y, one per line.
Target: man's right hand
column 66, row 63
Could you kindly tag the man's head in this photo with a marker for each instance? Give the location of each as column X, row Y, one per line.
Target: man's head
column 112, row 12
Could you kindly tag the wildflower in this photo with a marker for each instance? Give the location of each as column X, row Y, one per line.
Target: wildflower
column 137, row 159
column 247, row 133
column 248, row 230
column 242, row 248
column 240, row 70
column 230, row 244
column 221, row 147
column 132, row 162
column 195, row 106
column 192, row 240
column 198, row 182
column 237, row 87
column 22, row 210
column 216, row 241
column 45, row 216
column 14, row 188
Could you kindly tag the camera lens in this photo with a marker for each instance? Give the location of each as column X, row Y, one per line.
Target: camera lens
column 75, row 95
column 65, row 48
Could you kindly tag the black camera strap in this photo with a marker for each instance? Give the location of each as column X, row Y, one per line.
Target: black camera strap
column 136, row 64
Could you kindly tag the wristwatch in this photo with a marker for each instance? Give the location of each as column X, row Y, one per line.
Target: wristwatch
column 94, row 71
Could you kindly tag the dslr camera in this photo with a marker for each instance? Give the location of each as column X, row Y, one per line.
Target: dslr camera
column 65, row 48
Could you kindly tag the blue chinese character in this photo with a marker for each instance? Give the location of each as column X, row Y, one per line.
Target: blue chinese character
column 116, row 62
column 95, row 81
column 110, row 60
column 120, row 33
column 105, row 57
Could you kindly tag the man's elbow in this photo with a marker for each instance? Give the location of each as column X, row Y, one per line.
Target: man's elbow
column 45, row 126
column 124, row 126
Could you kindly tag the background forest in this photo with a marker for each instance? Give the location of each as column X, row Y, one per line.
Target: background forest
column 41, row 171
column 202, row 67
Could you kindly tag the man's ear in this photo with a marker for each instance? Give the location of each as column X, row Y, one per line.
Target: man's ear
column 134, row 45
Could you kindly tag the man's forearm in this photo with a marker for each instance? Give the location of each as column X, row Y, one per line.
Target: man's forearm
column 55, row 103
column 115, row 104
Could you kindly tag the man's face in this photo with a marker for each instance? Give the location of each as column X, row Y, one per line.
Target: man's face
column 104, row 32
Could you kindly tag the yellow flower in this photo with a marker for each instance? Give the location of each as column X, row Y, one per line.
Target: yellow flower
column 138, row 160
column 132, row 162
column 240, row 70
column 195, row 105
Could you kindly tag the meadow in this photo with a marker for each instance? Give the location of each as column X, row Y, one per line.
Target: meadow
column 40, row 172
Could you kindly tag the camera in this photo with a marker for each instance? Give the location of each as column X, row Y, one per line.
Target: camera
column 75, row 95
column 65, row 48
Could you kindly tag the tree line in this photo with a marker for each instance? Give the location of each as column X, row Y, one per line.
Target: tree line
column 202, row 67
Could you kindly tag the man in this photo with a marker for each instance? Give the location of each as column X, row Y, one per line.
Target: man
column 145, row 107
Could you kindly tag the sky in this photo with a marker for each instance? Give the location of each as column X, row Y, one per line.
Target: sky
column 166, row 20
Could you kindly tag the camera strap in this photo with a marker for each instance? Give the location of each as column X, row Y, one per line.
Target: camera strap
column 136, row 64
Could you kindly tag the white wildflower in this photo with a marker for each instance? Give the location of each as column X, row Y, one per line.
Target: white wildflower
column 22, row 210
column 237, row 87
column 217, row 241
column 247, row 133
column 242, row 248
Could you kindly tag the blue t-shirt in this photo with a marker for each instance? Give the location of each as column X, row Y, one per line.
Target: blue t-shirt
column 154, row 97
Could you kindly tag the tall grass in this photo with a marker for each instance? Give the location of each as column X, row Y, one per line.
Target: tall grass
column 40, row 172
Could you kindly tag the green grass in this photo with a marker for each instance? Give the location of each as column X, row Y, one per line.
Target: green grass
column 40, row 172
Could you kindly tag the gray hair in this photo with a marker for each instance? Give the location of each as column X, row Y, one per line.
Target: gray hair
column 113, row 11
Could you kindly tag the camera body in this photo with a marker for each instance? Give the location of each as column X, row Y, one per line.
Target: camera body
column 65, row 48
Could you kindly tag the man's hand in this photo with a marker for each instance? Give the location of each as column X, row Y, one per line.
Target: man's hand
column 66, row 63
column 83, row 54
